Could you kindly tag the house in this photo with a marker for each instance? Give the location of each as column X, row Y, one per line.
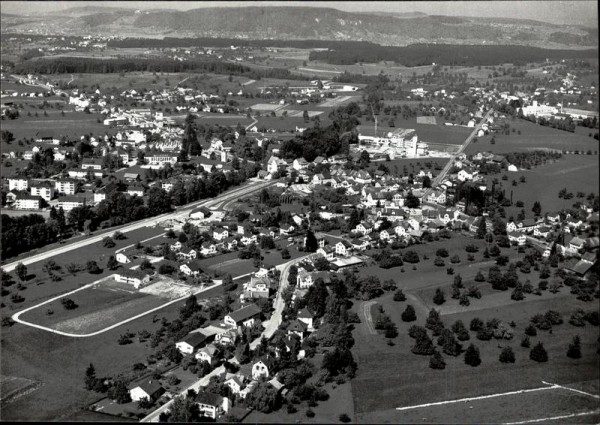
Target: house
column 297, row 327
column 67, row 203
column 93, row 164
column 264, row 367
column 258, row 287
column 275, row 164
column 542, row 231
column 245, row 316
column 191, row 343
column 27, row 202
column 230, row 243
column 150, row 390
column 576, row 243
column 235, row 383
column 200, row 213
column 517, row 237
column 208, row 249
column 212, row 405
column 364, row 228
column 299, row 164
column 105, row 192
column 18, row 183
column 161, row 158
column 123, row 258
column 207, row 354
column 65, row 186
column 327, row 252
column 137, row 278
column 135, row 190
column 511, row 227
column 343, row 248
column 285, row 230
column 187, row 253
column 193, row 268
column 226, row 338
column 44, row 190
column 305, row 279
column 220, row 234
column 306, row 317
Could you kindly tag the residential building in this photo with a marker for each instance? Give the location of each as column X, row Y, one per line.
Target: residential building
column 245, row 316
column 44, row 190
column 150, row 390
column 27, row 202
column 67, row 203
column 191, row 343
column 65, row 186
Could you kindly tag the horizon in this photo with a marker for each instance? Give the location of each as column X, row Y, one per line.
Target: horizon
column 572, row 12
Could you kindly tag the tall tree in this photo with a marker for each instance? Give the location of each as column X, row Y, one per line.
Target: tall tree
column 21, row 271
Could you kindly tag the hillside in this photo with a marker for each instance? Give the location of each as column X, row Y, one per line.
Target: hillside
column 285, row 23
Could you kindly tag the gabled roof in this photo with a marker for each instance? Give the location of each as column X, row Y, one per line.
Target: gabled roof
column 245, row 313
column 211, row 399
column 150, row 387
column 194, row 339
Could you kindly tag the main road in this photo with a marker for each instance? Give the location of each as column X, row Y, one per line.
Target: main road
column 441, row 176
column 180, row 213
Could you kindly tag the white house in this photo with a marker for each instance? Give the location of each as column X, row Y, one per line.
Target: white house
column 137, row 278
column 18, row 183
column 262, row 368
column 191, row 343
column 245, row 316
column 207, row 354
column 150, row 390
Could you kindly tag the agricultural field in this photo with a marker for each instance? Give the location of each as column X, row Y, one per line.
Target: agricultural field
column 438, row 134
column 576, row 173
column 534, row 137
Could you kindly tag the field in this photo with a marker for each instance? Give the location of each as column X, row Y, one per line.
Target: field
column 574, row 172
column 409, row 380
column 534, row 137
column 100, row 306
column 73, row 125
column 439, row 134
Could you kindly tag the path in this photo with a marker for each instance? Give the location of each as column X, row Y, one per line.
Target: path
column 248, row 82
column 365, row 309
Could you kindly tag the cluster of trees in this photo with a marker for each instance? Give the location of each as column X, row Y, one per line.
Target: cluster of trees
column 70, row 65
column 23, row 233
column 447, row 54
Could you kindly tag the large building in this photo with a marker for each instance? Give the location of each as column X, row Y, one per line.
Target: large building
column 402, row 142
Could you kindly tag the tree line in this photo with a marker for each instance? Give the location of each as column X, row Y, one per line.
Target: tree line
column 71, row 65
column 446, row 54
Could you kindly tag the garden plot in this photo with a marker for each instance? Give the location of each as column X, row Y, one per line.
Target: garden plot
column 167, row 288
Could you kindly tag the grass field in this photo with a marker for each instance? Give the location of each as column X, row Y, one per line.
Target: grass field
column 533, row 137
column 574, row 172
column 99, row 307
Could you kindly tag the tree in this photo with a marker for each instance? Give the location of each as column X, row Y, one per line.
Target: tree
column 507, row 355
column 184, row 409
column 437, row 361
column 112, row 263
column 537, row 208
column 146, row 265
column 461, row 331
column 434, row 322
column 90, row 377
column 92, row 267
column 119, row 393
column 107, row 242
column 538, row 353
column 423, row 345
column 21, row 271
column 439, row 297
column 311, row 244
column 285, row 254
column 264, row 398
column 399, row 295
column 472, row 356
column 409, row 315
column 68, row 304
column 574, row 350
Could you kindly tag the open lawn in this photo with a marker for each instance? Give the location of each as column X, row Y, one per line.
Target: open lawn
column 576, row 173
column 73, row 125
column 228, row 263
column 533, row 137
column 100, row 306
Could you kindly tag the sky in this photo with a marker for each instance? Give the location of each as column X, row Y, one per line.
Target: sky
column 579, row 12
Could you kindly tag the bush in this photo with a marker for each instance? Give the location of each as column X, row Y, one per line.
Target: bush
column 399, row 295
column 538, row 353
column 439, row 262
column 68, row 304
column 525, row 343
column 479, row 277
column 485, row 333
column 530, row 330
column 411, row 257
column 442, row 252
column 455, row 259
column 310, row 413
column 472, row 356
column 574, row 350
column 476, row 324
column 344, row 418
column 507, row 355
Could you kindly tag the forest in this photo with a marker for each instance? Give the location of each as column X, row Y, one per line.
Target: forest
column 446, row 54
column 72, row 65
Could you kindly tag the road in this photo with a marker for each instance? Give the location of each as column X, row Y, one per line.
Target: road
column 148, row 222
column 154, row 416
column 442, row 175
column 274, row 322
column 366, row 311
